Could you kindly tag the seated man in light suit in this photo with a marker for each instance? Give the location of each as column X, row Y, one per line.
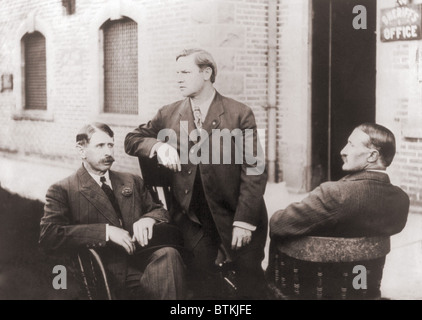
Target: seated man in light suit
column 362, row 204
column 113, row 212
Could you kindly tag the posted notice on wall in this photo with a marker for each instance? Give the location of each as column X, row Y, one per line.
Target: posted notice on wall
column 401, row 23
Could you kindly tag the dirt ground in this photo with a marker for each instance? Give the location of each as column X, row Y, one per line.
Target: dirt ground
column 25, row 271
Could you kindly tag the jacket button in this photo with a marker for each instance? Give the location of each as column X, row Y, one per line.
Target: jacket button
column 186, row 191
column 190, row 171
column 213, row 123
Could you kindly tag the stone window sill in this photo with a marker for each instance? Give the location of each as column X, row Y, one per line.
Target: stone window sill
column 412, row 133
column 33, row 115
column 130, row 120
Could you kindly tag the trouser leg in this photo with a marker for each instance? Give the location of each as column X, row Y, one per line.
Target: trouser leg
column 250, row 276
column 202, row 277
column 207, row 283
column 163, row 277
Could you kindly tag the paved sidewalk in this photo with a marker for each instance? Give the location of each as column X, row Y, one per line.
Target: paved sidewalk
column 403, row 269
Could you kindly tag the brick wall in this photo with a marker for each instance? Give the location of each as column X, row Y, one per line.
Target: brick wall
column 234, row 31
column 410, row 158
column 399, row 100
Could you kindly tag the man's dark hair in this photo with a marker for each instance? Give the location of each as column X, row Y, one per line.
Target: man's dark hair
column 203, row 59
column 382, row 139
column 84, row 135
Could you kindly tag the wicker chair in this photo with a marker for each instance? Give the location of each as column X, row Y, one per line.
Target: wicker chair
column 93, row 275
column 156, row 176
column 323, row 268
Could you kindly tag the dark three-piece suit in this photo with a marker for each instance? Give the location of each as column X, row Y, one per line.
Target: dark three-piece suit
column 208, row 198
column 75, row 216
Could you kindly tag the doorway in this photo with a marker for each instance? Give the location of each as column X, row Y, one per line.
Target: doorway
column 343, row 81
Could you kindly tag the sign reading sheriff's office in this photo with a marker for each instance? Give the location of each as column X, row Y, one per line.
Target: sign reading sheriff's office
column 401, row 23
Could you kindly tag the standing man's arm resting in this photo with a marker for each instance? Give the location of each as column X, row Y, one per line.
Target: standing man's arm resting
column 141, row 141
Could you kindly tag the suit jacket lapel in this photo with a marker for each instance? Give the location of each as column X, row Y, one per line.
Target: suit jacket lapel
column 96, row 196
column 186, row 116
column 124, row 193
column 213, row 118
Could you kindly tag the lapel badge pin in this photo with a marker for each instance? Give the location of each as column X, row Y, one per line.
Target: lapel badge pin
column 127, row 191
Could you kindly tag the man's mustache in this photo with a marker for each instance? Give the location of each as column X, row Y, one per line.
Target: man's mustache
column 108, row 159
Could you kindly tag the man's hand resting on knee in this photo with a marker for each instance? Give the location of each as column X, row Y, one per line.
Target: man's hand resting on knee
column 142, row 230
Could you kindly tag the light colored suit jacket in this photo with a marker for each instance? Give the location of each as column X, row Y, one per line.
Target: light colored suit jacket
column 361, row 204
column 77, row 210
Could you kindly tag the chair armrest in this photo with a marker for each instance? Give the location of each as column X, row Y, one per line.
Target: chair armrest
column 329, row 249
column 323, row 267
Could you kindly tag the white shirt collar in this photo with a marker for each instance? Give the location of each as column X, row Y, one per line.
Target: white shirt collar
column 97, row 178
column 205, row 106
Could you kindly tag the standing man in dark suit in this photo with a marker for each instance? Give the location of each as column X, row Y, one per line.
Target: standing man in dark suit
column 217, row 184
column 362, row 204
column 111, row 211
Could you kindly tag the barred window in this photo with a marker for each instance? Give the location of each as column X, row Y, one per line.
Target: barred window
column 35, row 75
column 120, row 43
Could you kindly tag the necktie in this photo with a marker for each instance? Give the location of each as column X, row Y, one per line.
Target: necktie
column 107, row 190
column 198, row 117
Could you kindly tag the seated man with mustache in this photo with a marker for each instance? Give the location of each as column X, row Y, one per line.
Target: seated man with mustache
column 111, row 211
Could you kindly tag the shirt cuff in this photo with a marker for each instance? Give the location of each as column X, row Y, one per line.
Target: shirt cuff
column 107, row 234
column 154, row 149
column 244, row 225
